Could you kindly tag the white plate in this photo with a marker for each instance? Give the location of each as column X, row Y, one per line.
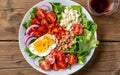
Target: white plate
column 30, row 61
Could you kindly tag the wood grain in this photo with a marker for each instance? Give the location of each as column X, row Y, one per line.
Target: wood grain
column 105, row 60
column 10, row 55
column 12, row 12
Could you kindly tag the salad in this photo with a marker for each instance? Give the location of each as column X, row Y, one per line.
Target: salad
column 58, row 37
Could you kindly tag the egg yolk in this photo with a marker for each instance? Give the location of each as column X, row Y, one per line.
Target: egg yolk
column 41, row 45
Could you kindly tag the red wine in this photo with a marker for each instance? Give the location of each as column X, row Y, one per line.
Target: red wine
column 100, row 6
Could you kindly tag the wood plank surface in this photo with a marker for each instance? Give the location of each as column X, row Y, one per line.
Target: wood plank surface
column 12, row 12
column 105, row 61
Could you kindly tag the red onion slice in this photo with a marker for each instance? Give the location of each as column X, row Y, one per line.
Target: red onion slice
column 36, row 61
column 46, row 6
column 26, row 37
column 32, row 26
column 29, row 40
column 31, row 34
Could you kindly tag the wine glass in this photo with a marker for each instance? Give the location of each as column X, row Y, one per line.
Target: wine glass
column 102, row 7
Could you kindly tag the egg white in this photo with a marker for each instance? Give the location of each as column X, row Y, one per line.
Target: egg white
column 31, row 46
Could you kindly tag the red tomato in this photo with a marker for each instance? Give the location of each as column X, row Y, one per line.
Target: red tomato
column 45, row 65
column 77, row 29
column 60, row 56
column 41, row 13
column 44, row 22
column 31, row 31
column 36, row 34
column 50, row 59
column 61, row 64
column 72, row 59
column 55, row 67
column 35, row 21
column 53, row 52
column 51, row 17
column 42, row 28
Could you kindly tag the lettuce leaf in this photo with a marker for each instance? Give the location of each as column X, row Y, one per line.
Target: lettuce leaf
column 82, row 43
column 85, row 42
column 58, row 9
column 30, row 53
column 77, row 8
column 27, row 23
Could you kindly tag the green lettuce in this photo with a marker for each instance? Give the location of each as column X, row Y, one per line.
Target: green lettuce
column 85, row 42
column 58, row 9
column 30, row 53
column 77, row 8
column 27, row 23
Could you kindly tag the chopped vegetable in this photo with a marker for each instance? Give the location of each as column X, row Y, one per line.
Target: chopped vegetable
column 46, row 6
column 51, row 17
column 31, row 28
column 73, row 41
column 57, row 30
column 58, row 9
column 77, row 8
column 27, row 23
column 31, row 55
column 45, row 65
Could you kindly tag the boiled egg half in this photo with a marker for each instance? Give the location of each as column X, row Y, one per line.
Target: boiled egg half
column 43, row 45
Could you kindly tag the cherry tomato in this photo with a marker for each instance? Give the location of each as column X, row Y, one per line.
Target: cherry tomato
column 42, row 28
column 72, row 59
column 61, row 64
column 35, row 21
column 36, row 34
column 53, row 52
column 44, row 22
column 77, row 29
column 60, row 56
column 50, row 59
column 31, row 31
column 55, row 67
column 51, row 17
column 41, row 13
column 45, row 65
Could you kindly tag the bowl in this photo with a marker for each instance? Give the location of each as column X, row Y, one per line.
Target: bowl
column 30, row 61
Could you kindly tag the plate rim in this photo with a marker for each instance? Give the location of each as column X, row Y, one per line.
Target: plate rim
column 27, row 14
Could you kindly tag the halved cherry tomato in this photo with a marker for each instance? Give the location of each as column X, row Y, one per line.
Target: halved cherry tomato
column 51, row 17
column 36, row 34
column 50, row 59
column 40, row 13
column 53, row 52
column 72, row 59
column 61, row 64
column 55, row 67
column 31, row 31
column 44, row 22
column 42, row 28
column 60, row 56
column 45, row 65
column 35, row 21
column 77, row 29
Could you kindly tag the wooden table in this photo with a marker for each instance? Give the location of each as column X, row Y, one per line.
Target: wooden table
column 105, row 61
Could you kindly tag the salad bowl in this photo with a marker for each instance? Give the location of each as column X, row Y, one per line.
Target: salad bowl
column 22, row 45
